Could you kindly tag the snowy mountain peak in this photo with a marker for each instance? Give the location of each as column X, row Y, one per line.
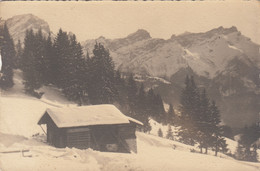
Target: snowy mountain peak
column 18, row 25
column 140, row 34
column 222, row 30
column 101, row 38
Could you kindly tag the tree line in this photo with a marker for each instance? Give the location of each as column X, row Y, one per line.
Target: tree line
column 200, row 119
column 85, row 79
column 247, row 144
column 7, row 57
column 200, row 124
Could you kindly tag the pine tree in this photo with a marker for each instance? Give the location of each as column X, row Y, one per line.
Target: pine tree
column 240, row 152
column 70, row 71
column 103, row 89
column 169, row 134
column 141, row 100
column 160, row 133
column 8, row 56
column 39, row 54
column 141, row 109
column 150, row 103
column 61, row 59
column 48, row 62
column 73, row 86
column 203, row 122
column 121, row 95
column 190, row 111
column 254, row 154
column 154, row 106
column 19, row 52
column 171, row 115
column 32, row 62
column 159, row 108
column 246, row 150
column 223, row 146
column 216, row 130
column 132, row 91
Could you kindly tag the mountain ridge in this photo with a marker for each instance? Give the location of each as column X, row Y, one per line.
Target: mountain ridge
column 182, row 50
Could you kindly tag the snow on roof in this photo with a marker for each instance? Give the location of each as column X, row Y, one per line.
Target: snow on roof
column 134, row 120
column 87, row 115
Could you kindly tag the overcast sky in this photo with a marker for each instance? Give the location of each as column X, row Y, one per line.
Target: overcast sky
column 90, row 20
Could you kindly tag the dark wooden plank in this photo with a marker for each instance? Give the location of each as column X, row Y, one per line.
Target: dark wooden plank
column 79, row 140
column 72, row 130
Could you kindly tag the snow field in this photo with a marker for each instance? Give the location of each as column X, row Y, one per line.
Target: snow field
column 20, row 113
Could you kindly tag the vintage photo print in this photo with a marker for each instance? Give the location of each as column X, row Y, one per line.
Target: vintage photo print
column 130, row 86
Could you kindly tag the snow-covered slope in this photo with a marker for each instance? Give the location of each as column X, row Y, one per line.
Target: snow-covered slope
column 19, row 114
column 154, row 154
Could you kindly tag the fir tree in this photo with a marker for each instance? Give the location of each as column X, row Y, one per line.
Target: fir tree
column 73, row 86
column 218, row 140
column 154, row 106
column 121, row 96
column 102, row 89
column 132, row 91
column 141, row 99
column 203, row 122
column 61, row 59
column 39, row 54
column 190, row 111
column 141, row 109
column 169, row 134
column 170, row 115
column 19, row 52
column 48, row 61
column 8, row 56
column 31, row 62
column 150, row 103
column 240, row 152
column 246, row 149
column 160, row 133
column 159, row 108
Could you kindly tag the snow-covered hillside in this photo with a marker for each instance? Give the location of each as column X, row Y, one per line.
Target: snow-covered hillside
column 19, row 114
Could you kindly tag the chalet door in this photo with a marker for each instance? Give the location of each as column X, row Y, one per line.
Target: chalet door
column 78, row 138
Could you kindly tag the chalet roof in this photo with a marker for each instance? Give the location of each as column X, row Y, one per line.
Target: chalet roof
column 86, row 116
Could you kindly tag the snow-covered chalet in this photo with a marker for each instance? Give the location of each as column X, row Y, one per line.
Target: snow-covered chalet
column 100, row 127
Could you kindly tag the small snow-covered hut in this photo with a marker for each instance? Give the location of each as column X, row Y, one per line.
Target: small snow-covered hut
column 100, row 127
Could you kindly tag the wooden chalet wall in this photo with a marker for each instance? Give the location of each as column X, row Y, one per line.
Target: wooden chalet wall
column 78, row 137
column 128, row 137
column 55, row 136
column 114, row 138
